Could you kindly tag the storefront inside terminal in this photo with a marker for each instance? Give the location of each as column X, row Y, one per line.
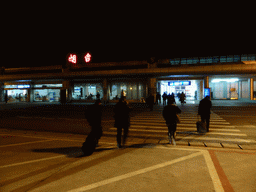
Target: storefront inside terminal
column 137, row 90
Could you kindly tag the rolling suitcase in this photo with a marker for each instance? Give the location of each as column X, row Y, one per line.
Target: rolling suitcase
column 201, row 126
column 89, row 145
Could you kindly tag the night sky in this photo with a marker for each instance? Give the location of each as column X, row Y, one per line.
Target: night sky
column 45, row 35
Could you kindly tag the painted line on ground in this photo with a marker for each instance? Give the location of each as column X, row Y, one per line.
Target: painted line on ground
column 25, row 143
column 165, row 130
column 138, row 172
column 46, row 138
column 179, row 125
column 223, row 178
column 182, row 128
column 219, row 139
column 32, row 161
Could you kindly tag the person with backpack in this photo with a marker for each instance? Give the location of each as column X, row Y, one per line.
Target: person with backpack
column 170, row 113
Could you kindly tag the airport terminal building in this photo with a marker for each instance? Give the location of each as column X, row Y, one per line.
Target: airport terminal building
column 220, row 77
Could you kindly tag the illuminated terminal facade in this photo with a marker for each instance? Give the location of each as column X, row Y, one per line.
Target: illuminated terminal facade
column 220, row 77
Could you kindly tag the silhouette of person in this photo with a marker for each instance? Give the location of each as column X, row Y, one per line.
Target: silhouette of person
column 204, row 111
column 94, row 115
column 158, row 98
column 122, row 120
column 150, row 102
column 164, row 98
column 170, row 115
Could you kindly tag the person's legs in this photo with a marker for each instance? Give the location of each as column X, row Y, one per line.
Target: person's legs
column 118, row 136
column 207, row 123
column 126, row 129
column 171, row 132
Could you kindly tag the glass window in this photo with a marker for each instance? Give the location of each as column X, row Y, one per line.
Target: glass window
column 230, row 58
column 195, row 60
column 16, row 95
column 216, row 59
column 236, row 58
column 183, row 61
column 223, row 59
column 46, row 95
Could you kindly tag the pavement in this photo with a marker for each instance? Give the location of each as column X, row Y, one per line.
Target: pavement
column 54, row 163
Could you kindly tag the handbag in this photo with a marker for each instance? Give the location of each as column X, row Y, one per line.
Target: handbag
column 177, row 118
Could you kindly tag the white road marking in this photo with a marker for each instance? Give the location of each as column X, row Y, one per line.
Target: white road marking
column 138, row 172
column 32, row 161
column 213, row 173
column 179, row 125
column 47, row 138
column 165, row 131
column 182, row 120
column 181, row 128
column 24, row 143
column 219, row 139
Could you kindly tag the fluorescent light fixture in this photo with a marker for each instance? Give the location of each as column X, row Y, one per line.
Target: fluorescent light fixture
column 226, row 80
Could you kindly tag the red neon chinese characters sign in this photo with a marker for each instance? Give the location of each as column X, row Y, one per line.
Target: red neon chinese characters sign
column 72, row 58
column 87, row 57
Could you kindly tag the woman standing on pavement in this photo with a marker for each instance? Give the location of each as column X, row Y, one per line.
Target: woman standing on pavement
column 170, row 115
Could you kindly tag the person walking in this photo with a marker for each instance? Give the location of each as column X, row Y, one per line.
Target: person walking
column 170, row 113
column 122, row 120
column 164, row 98
column 182, row 98
column 150, row 102
column 94, row 114
column 158, row 98
column 204, row 111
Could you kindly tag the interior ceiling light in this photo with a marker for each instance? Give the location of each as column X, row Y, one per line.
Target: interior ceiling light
column 226, row 80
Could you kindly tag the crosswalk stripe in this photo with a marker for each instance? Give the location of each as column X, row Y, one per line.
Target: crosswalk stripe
column 163, row 121
column 219, row 139
column 165, row 131
column 179, row 129
column 182, row 124
column 152, row 125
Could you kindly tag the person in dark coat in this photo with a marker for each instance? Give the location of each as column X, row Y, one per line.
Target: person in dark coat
column 170, row 115
column 204, row 111
column 122, row 120
column 164, row 98
column 94, row 114
column 158, row 98
column 150, row 102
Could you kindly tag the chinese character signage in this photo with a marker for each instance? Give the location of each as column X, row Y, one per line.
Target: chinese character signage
column 87, row 57
column 79, row 58
column 72, row 58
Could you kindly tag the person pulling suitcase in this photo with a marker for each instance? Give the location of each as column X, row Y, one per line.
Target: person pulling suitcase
column 93, row 115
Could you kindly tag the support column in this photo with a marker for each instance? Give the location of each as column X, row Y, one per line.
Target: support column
column 105, row 90
column 250, row 83
column 201, row 95
column 152, row 87
column 206, row 82
column 2, row 95
column 65, row 92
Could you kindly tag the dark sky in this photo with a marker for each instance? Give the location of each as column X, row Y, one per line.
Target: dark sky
column 46, row 34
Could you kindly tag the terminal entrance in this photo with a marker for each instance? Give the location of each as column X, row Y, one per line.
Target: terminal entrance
column 191, row 88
